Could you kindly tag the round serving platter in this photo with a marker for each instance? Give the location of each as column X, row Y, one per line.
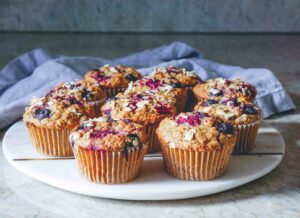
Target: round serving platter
column 153, row 183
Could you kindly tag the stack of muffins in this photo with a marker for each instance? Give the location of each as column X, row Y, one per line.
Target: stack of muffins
column 110, row 120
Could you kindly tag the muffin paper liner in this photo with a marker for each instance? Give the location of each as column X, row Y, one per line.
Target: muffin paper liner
column 153, row 144
column 111, row 92
column 109, row 167
column 191, row 100
column 180, row 105
column 97, row 107
column 52, row 142
column 246, row 135
column 196, row 165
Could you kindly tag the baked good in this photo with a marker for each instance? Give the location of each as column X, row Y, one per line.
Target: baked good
column 89, row 96
column 113, row 79
column 109, row 151
column 150, row 85
column 220, row 87
column 244, row 116
column 147, row 110
column 180, row 78
column 195, row 146
column 49, row 123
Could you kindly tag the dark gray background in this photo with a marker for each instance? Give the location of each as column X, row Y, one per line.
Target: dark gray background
column 150, row 15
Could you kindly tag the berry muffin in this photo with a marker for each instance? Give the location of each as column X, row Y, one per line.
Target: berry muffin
column 49, row 123
column 147, row 110
column 113, row 79
column 109, row 151
column 195, row 146
column 150, row 85
column 244, row 116
column 90, row 97
column 181, row 78
column 219, row 87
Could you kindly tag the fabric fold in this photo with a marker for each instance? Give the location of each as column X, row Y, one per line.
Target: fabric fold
column 37, row 71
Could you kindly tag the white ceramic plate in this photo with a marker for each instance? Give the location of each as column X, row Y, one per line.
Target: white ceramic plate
column 153, row 183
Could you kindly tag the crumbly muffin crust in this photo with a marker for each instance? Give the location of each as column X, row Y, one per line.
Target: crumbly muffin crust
column 179, row 77
column 220, row 87
column 230, row 110
column 196, row 131
column 113, row 77
column 80, row 92
column 141, row 108
column 106, row 134
column 49, row 113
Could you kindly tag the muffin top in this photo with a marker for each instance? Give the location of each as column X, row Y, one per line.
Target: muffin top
column 106, row 134
column 49, row 113
column 113, row 77
column 195, row 131
column 230, row 110
column 141, row 108
column 220, row 87
column 77, row 92
column 176, row 76
column 151, row 85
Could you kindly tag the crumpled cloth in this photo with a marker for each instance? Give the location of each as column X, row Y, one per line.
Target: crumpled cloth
column 36, row 72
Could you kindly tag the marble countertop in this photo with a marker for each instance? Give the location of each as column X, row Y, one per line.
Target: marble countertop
column 274, row 195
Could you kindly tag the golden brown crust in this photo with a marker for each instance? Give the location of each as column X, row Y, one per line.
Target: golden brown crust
column 81, row 92
column 230, row 110
column 141, row 108
column 49, row 113
column 176, row 76
column 219, row 87
column 196, row 132
column 113, row 77
column 106, row 134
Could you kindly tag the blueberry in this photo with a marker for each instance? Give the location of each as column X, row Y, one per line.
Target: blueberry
column 225, row 128
column 42, row 113
column 86, row 94
column 202, row 114
column 209, row 102
column 130, row 77
column 249, row 109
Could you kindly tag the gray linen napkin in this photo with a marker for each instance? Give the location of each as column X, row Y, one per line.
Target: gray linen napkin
column 35, row 72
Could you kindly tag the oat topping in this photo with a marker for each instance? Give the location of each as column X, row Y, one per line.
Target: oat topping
column 230, row 109
column 176, row 76
column 113, row 76
column 198, row 131
column 219, row 87
column 106, row 134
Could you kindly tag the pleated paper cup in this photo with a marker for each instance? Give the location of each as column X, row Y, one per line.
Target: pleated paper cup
column 153, row 145
column 97, row 107
column 51, row 142
column 112, row 92
column 180, row 105
column 109, row 167
column 246, row 135
column 196, row 165
column 191, row 100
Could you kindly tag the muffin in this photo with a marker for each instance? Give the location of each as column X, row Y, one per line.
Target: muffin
column 244, row 116
column 180, row 78
column 146, row 110
column 195, row 146
column 109, row 151
column 90, row 97
column 113, row 79
column 149, row 85
column 219, row 87
column 50, row 122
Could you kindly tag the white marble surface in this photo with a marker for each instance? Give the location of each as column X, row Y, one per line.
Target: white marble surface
column 274, row 195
